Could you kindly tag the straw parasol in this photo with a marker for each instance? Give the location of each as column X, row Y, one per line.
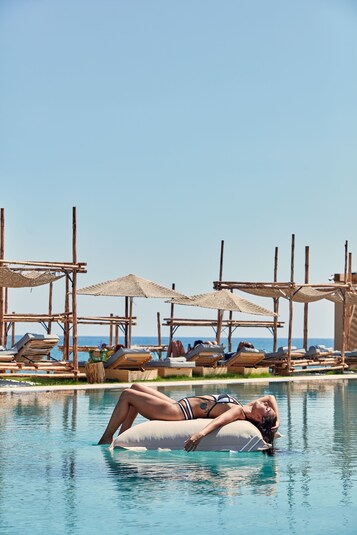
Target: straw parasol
column 222, row 300
column 130, row 286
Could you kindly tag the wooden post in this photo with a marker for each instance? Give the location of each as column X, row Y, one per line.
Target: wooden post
column 74, row 293
column 13, row 333
column 306, row 306
column 159, row 334
column 220, row 313
column 116, row 333
column 50, row 294
column 276, row 302
column 2, row 248
column 219, row 326
column 172, row 308
column 6, row 302
column 126, row 328
column 66, row 322
column 111, row 332
column 291, row 301
column 344, row 308
column 130, row 320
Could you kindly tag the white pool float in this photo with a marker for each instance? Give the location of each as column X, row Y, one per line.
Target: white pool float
column 157, row 434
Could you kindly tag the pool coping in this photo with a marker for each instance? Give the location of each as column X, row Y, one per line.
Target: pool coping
column 114, row 386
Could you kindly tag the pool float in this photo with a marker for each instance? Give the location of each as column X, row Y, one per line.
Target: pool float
column 157, row 435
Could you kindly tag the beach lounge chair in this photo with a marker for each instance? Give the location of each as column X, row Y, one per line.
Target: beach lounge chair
column 172, row 366
column 128, row 365
column 245, row 358
column 205, row 355
column 206, row 358
column 282, row 353
column 32, row 348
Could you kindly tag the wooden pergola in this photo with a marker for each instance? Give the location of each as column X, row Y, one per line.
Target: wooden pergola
column 68, row 319
column 302, row 292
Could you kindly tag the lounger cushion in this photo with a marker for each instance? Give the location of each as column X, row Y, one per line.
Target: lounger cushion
column 155, row 434
column 206, row 348
column 171, row 362
column 125, row 351
column 29, row 336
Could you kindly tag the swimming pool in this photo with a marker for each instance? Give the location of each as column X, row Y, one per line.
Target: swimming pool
column 55, row 480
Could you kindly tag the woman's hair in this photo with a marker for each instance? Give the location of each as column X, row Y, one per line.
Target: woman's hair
column 265, row 427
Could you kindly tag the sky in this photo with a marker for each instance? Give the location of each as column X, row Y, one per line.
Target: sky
column 172, row 126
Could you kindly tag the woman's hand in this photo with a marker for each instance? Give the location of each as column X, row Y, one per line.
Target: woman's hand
column 192, row 442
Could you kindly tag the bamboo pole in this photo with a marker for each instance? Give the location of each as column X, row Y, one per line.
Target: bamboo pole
column 111, row 332
column 6, row 304
column 74, row 292
column 306, row 306
column 2, row 248
column 80, row 266
column 13, row 333
column 276, row 302
column 219, row 326
column 291, row 301
column 220, row 313
column 116, row 333
column 159, row 333
column 126, row 328
column 131, row 320
column 66, row 322
column 172, row 308
column 50, row 296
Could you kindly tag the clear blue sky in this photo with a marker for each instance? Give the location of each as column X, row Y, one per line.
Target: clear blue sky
column 172, row 126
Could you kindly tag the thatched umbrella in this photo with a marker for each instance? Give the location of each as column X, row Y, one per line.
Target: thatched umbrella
column 129, row 287
column 222, row 300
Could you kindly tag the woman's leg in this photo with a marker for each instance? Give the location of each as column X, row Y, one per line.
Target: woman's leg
column 132, row 413
column 129, row 420
column 147, row 389
column 145, row 403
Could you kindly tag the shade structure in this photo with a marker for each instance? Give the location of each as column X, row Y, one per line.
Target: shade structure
column 130, row 286
column 222, row 300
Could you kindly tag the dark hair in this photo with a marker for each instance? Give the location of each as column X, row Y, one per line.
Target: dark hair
column 265, row 427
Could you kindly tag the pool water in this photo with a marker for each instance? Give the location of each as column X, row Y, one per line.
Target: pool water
column 54, row 479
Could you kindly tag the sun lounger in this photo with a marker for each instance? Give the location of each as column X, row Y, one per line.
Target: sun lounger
column 33, row 348
column 245, row 358
column 172, row 366
column 321, row 351
column 122, row 362
column 282, row 353
column 205, row 355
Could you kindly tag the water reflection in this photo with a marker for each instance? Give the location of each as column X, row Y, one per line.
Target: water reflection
column 218, row 473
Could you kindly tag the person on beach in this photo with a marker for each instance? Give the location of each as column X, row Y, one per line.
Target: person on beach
column 222, row 409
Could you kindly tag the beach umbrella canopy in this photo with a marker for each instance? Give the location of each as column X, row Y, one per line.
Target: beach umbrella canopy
column 130, row 286
column 223, row 300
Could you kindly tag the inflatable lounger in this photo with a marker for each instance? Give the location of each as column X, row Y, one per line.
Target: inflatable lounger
column 157, row 434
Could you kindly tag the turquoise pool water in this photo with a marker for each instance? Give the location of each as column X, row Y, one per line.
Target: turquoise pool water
column 54, row 479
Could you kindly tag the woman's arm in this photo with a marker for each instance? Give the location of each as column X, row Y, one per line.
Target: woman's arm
column 226, row 418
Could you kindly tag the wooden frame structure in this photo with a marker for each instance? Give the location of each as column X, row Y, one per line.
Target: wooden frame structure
column 292, row 288
column 68, row 319
column 219, row 323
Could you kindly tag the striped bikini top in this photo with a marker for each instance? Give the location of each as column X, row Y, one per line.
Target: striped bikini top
column 222, row 398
